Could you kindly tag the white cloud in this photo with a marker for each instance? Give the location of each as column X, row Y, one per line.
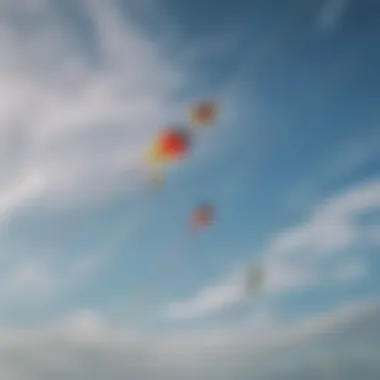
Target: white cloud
column 76, row 111
column 84, row 346
column 30, row 281
column 209, row 299
column 303, row 256
column 298, row 256
column 69, row 118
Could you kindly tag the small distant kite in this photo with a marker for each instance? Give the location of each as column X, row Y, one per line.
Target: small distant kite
column 202, row 216
column 254, row 279
column 203, row 113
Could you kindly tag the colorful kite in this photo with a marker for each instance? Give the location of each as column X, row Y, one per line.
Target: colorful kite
column 170, row 145
column 202, row 216
column 203, row 113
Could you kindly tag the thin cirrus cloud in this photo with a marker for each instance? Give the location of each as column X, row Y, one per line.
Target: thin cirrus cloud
column 304, row 256
column 73, row 117
column 209, row 299
column 75, row 114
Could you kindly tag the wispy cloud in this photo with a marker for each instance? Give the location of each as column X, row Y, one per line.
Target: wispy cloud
column 332, row 225
column 307, row 255
column 209, row 299
column 298, row 257
column 75, row 116
column 80, row 98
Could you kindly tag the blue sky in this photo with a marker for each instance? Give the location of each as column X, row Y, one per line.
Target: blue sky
column 292, row 166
